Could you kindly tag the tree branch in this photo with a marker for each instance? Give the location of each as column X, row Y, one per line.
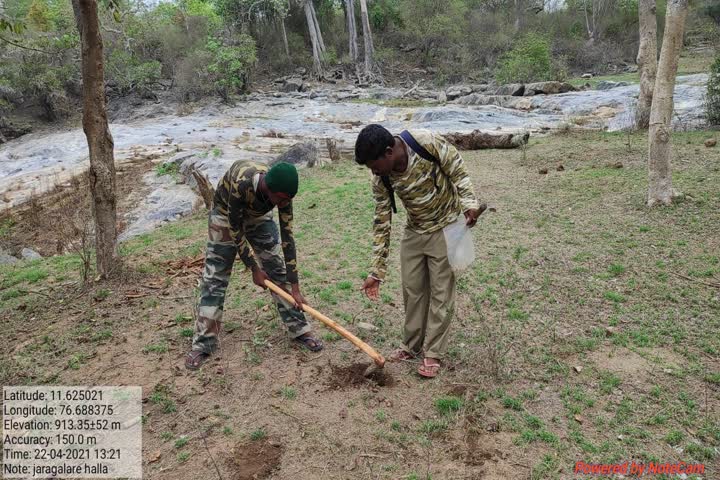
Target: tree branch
column 3, row 39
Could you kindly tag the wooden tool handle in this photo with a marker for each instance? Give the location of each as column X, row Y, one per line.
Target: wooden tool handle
column 372, row 353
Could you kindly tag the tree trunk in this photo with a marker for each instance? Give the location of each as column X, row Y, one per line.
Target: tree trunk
column 660, row 191
column 100, row 141
column 518, row 15
column 321, row 42
column 647, row 61
column 352, row 30
column 284, row 35
column 317, row 63
column 367, row 37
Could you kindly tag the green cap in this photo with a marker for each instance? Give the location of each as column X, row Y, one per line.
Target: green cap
column 282, row 178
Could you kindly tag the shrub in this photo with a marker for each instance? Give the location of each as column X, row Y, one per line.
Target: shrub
column 128, row 73
column 712, row 100
column 231, row 65
column 529, row 60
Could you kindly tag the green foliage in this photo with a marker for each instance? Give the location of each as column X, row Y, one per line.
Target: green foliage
column 231, row 65
column 529, row 60
column 385, row 13
column 712, row 100
column 129, row 73
column 38, row 16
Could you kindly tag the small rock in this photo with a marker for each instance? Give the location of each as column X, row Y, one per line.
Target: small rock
column 543, row 171
column 560, row 168
column 667, row 370
column 617, row 164
column 367, row 326
column 442, row 97
column 155, row 456
column 710, row 142
column 579, row 419
column 586, row 75
column 610, row 331
column 578, row 368
column 6, row 259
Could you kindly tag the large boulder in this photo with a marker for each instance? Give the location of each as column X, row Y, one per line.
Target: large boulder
column 10, row 130
column 478, row 140
column 293, row 84
column 512, row 89
column 10, row 95
column 457, row 91
column 56, row 106
column 300, row 154
column 548, row 88
column 609, row 84
column 518, row 103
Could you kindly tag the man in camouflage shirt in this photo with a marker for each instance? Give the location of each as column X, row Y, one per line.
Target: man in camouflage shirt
column 434, row 192
column 241, row 217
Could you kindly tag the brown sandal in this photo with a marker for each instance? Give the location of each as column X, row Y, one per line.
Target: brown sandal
column 400, row 355
column 195, row 358
column 428, row 369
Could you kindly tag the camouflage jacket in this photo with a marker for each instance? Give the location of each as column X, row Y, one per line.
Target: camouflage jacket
column 433, row 195
column 236, row 198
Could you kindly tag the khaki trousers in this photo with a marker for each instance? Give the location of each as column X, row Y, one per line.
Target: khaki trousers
column 428, row 293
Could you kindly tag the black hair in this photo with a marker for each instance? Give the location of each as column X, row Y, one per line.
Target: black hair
column 372, row 142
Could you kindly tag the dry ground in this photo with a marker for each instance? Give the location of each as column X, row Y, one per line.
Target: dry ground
column 588, row 329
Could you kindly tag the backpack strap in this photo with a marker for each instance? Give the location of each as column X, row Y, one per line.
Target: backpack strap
column 391, row 191
column 417, row 148
column 420, row 150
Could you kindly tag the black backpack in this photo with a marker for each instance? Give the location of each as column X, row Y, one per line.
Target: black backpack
column 420, row 150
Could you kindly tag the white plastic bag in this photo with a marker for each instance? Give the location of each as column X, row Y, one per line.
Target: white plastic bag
column 460, row 249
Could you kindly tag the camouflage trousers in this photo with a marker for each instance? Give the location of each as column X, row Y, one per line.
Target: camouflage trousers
column 263, row 235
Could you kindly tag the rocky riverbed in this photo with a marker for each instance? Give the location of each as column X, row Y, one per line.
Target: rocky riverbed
column 266, row 123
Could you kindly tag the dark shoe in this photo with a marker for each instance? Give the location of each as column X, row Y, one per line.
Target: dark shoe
column 194, row 359
column 308, row 341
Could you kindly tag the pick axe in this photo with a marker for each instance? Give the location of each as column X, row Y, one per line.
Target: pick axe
column 371, row 352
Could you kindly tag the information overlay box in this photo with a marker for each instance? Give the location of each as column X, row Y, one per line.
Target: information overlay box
column 72, row 432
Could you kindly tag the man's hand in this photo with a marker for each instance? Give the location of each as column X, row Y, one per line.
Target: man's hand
column 472, row 215
column 371, row 287
column 259, row 277
column 297, row 296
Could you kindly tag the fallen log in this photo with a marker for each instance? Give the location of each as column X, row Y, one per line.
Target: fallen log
column 478, row 140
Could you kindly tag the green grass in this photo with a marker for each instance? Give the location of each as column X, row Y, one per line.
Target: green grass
column 288, row 393
column 160, row 347
column 169, row 168
column 161, row 397
column 258, row 434
column 448, row 405
column 181, row 442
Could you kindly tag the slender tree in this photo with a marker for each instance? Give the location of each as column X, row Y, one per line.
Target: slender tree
column 646, row 60
column 370, row 66
column 101, row 174
column 352, row 30
column 315, row 39
column 660, row 190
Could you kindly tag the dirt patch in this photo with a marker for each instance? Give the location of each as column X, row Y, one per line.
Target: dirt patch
column 354, row 375
column 620, row 361
column 254, row 460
